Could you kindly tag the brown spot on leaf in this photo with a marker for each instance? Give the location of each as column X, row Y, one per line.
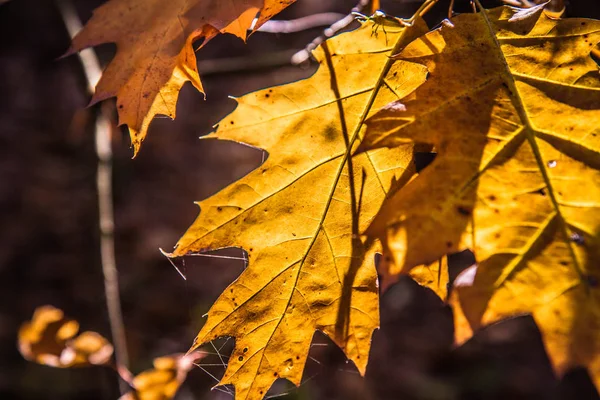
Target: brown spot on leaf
column 463, row 210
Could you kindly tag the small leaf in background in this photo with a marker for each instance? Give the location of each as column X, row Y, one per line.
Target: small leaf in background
column 51, row 339
column 163, row 381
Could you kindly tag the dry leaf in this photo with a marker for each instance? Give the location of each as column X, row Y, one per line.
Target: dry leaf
column 51, row 339
column 299, row 214
column 433, row 276
column 155, row 56
column 513, row 109
column 163, row 381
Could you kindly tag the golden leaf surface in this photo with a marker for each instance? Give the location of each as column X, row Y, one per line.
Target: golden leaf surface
column 513, row 109
column 300, row 214
column 155, row 56
column 51, row 339
column 433, row 277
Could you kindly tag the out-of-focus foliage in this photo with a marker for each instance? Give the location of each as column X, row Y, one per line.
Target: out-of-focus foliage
column 162, row 381
column 51, row 339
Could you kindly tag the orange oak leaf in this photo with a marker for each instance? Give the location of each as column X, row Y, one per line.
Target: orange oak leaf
column 155, row 56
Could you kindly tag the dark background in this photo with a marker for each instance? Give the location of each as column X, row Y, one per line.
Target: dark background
column 49, row 241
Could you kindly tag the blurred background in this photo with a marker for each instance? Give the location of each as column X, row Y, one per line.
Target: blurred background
column 49, row 234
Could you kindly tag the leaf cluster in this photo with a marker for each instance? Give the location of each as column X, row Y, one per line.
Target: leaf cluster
column 509, row 100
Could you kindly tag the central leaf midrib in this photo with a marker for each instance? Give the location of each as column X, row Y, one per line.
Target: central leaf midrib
column 343, row 161
column 530, row 133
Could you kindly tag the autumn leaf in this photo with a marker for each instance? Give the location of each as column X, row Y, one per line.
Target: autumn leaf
column 51, row 339
column 299, row 214
column 513, row 109
column 163, row 381
column 433, row 276
column 155, row 56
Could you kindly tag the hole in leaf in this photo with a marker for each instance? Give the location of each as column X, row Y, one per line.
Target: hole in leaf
column 463, row 210
column 423, row 159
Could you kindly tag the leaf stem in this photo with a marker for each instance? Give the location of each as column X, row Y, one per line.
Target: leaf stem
column 390, row 61
column 304, row 54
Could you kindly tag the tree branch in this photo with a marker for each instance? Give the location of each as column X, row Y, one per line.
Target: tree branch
column 93, row 72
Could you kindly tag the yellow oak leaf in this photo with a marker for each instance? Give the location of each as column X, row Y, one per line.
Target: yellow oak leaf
column 513, row 109
column 51, row 339
column 155, row 56
column 300, row 214
column 433, row 276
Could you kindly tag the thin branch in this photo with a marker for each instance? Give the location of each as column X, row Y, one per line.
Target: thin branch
column 554, row 7
column 92, row 70
column 236, row 64
column 334, row 21
column 300, row 24
column 451, row 9
column 303, row 55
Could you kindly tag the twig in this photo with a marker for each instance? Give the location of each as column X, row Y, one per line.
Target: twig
column 92, row 70
column 303, row 55
column 337, row 26
column 235, row 64
column 277, row 59
column 519, row 3
column 300, row 24
column 557, row 7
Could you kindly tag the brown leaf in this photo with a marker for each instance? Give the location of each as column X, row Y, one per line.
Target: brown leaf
column 155, row 56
